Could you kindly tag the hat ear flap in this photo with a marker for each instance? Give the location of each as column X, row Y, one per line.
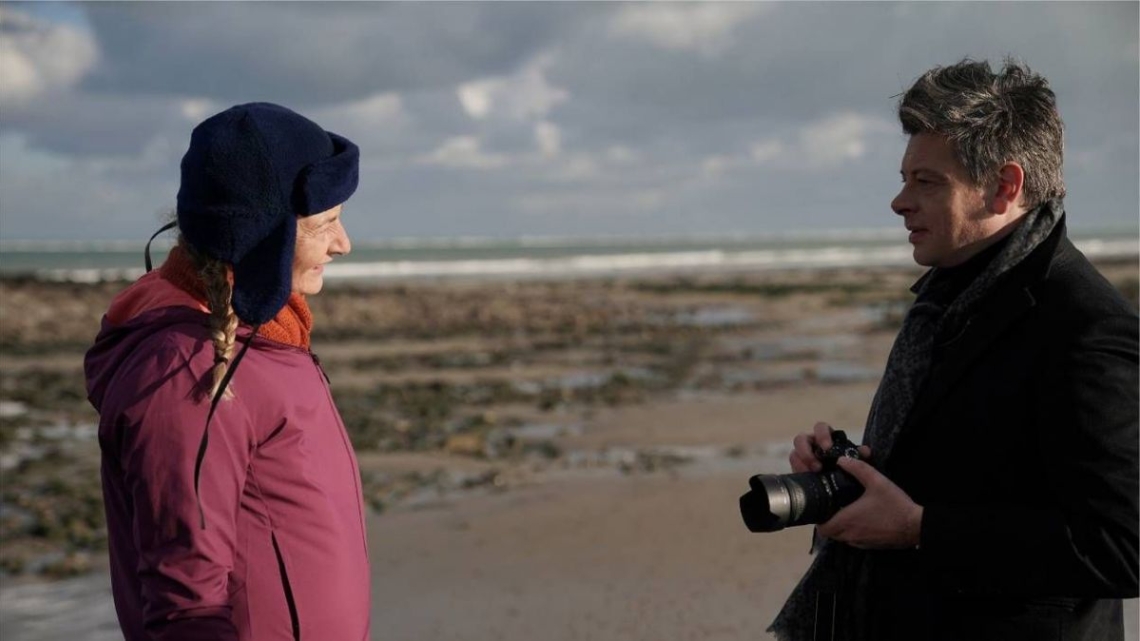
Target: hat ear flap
column 330, row 181
column 263, row 279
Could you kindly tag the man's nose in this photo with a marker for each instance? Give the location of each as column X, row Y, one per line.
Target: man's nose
column 901, row 204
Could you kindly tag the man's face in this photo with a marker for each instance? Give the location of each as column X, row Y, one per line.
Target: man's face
column 942, row 208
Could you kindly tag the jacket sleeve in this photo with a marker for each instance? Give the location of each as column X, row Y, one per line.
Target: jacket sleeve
column 184, row 568
column 1085, row 424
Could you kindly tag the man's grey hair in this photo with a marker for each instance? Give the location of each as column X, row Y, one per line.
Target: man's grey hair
column 991, row 119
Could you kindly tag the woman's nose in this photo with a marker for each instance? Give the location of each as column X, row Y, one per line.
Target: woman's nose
column 341, row 244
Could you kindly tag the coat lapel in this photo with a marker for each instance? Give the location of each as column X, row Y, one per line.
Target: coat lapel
column 956, row 354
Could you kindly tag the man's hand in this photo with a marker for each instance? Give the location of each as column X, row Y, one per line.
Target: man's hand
column 883, row 518
column 803, row 458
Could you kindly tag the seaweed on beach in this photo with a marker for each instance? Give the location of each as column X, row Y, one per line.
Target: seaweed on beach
column 41, row 317
column 417, row 416
column 438, row 361
column 51, row 514
column 382, row 490
column 649, row 461
column 51, row 504
column 413, row 416
column 506, row 310
column 54, row 390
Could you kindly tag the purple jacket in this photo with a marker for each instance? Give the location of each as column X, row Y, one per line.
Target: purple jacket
column 283, row 554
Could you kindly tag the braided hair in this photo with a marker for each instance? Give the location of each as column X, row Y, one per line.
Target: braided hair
column 215, row 275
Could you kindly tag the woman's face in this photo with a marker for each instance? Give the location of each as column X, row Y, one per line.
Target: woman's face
column 320, row 237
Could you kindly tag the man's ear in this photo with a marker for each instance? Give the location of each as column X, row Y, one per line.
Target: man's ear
column 1006, row 196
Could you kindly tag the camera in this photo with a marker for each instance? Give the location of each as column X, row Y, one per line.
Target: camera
column 777, row 501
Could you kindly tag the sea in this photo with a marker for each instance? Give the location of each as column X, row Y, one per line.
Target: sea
column 543, row 257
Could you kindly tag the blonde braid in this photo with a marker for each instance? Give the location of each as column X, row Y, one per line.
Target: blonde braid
column 223, row 320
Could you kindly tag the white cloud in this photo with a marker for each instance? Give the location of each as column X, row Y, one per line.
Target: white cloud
column 828, row 142
column 524, row 95
column 770, row 151
column 839, row 138
column 378, row 110
column 615, row 164
column 713, row 166
column 825, row 143
column 701, row 27
column 198, row 109
column 37, row 58
column 621, row 155
column 766, row 150
column 476, row 97
column 718, row 166
column 462, row 152
column 577, row 168
column 548, row 137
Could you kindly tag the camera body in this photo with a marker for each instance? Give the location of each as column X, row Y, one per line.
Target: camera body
column 777, row 501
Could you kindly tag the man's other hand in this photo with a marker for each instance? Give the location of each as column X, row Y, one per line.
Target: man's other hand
column 883, row 518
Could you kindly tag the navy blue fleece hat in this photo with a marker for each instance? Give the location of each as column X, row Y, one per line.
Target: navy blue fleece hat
column 249, row 173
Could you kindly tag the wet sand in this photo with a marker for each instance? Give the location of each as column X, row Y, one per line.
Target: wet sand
column 598, row 554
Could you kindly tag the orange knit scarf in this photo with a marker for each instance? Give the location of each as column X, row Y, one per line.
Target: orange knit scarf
column 292, row 325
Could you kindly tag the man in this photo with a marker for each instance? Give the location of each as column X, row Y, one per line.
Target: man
column 1001, row 496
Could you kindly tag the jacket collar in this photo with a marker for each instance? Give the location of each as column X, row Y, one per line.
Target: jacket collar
column 292, row 325
column 1009, row 300
column 1037, row 262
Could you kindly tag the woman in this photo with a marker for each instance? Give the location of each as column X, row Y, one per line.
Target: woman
column 232, row 492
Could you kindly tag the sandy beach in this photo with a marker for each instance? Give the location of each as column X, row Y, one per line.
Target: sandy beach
column 543, row 460
column 598, row 554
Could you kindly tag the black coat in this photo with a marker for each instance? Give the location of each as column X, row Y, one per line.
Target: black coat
column 1022, row 448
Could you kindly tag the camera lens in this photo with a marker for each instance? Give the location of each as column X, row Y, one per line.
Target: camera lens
column 778, row 501
column 768, row 507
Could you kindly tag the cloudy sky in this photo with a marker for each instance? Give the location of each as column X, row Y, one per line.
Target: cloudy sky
column 511, row 119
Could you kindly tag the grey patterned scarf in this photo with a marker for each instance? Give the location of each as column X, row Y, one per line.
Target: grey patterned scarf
column 838, row 578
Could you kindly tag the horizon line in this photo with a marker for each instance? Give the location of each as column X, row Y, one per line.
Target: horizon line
column 534, row 240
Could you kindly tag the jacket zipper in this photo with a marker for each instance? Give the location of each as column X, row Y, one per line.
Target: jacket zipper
column 348, row 450
column 317, row 362
column 294, row 619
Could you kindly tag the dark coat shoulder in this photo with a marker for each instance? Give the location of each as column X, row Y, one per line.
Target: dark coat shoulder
column 1023, row 450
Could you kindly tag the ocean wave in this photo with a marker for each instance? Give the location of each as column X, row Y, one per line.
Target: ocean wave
column 592, row 265
column 636, row 262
